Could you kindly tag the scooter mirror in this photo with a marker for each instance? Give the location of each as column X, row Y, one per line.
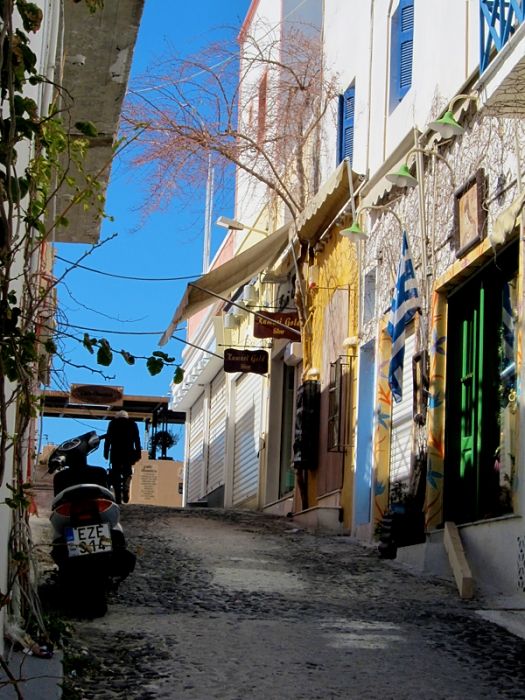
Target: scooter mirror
column 55, row 462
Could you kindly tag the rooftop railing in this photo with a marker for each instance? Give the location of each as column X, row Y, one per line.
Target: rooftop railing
column 499, row 19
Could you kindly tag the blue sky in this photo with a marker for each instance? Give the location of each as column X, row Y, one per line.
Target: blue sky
column 169, row 243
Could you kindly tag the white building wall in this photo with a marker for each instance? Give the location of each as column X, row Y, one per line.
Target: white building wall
column 262, row 33
column 357, row 47
column 44, row 45
column 445, row 58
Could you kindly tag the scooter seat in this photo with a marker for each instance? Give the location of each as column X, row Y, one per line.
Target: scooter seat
column 73, row 477
column 82, row 492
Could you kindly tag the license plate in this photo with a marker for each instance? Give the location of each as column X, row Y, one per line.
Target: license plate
column 88, row 539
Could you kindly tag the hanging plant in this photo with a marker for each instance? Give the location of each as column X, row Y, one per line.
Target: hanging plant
column 163, row 440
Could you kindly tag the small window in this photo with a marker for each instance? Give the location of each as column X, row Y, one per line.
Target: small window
column 345, row 145
column 402, row 43
column 338, row 398
column 369, row 296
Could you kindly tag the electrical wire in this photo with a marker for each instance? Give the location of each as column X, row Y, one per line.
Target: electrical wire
column 126, row 277
column 111, row 332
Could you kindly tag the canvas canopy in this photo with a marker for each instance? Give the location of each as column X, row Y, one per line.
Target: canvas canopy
column 227, row 277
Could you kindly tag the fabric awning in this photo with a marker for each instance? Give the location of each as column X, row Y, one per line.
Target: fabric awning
column 324, row 206
column 228, row 276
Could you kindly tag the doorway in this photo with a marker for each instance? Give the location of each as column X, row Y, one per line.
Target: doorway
column 481, row 400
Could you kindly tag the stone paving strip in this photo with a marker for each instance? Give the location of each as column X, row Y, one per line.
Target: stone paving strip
column 243, row 606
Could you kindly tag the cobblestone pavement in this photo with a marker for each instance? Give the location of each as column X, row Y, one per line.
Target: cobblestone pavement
column 242, row 606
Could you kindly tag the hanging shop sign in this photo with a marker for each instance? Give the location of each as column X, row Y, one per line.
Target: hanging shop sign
column 255, row 361
column 97, row 394
column 264, row 325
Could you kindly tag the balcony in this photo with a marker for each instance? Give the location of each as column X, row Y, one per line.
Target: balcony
column 502, row 56
column 499, row 20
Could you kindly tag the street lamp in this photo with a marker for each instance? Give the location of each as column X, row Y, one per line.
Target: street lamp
column 235, row 225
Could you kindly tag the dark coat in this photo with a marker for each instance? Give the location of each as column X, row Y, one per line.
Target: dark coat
column 122, row 442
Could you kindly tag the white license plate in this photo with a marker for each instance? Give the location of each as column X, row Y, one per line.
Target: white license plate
column 88, row 539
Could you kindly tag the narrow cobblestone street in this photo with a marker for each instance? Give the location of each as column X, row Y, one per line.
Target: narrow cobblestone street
column 241, row 606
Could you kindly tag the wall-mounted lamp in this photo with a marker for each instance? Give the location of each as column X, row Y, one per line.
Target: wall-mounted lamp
column 356, row 232
column 240, row 310
column 225, row 222
column 447, row 125
column 404, row 178
column 231, row 321
column 250, row 295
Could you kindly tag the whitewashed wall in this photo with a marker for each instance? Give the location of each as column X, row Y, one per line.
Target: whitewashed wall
column 356, row 46
column 264, row 30
column 44, row 44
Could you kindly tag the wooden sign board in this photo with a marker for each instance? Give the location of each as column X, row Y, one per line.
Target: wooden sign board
column 255, row 361
column 264, row 326
column 97, row 394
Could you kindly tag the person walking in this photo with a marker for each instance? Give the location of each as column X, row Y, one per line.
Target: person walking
column 122, row 447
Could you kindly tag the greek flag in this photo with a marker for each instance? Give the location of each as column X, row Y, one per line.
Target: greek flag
column 404, row 306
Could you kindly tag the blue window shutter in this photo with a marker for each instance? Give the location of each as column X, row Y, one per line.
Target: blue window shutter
column 402, row 50
column 346, row 125
column 406, row 42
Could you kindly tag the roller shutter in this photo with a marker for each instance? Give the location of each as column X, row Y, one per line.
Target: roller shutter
column 217, row 433
column 402, row 420
column 248, row 398
column 196, row 451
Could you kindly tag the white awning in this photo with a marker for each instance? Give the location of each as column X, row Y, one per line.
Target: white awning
column 326, row 204
column 227, row 277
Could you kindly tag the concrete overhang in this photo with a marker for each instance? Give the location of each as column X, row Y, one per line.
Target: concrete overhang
column 96, row 55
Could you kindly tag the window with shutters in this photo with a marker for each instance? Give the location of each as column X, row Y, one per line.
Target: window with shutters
column 338, row 388
column 334, row 408
column 345, row 136
column 402, row 43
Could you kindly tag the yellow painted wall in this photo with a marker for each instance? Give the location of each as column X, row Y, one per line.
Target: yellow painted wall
column 336, row 267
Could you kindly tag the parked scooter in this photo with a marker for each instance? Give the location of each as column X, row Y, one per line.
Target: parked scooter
column 89, row 547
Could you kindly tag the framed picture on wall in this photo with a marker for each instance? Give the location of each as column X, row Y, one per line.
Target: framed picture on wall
column 470, row 217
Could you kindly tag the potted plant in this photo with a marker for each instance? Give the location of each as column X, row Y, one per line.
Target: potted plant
column 162, row 440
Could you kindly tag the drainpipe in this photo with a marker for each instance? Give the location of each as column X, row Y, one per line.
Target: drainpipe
column 423, row 232
column 370, row 63
column 467, row 31
column 56, row 45
column 387, row 75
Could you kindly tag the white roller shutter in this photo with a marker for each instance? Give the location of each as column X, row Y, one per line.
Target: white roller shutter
column 248, row 398
column 402, row 420
column 217, row 433
column 196, row 451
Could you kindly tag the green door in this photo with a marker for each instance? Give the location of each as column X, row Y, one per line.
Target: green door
column 471, row 406
column 473, row 480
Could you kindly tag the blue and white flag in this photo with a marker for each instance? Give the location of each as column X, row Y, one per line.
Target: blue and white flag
column 404, row 305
